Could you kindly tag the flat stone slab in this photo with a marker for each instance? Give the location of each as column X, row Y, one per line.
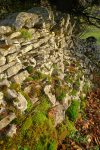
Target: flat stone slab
column 6, row 121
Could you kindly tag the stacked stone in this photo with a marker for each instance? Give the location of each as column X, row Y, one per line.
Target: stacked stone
column 50, row 50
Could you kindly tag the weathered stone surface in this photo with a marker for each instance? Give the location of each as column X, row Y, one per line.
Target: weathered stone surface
column 19, row 78
column 21, row 104
column 6, row 121
column 14, row 69
column 57, row 113
column 15, row 35
column 22, row 19
column 6, row 66
column 10, row 50
column 2, row 60
column 10, row 94
column 67, row 101
column 1, row 95
column 5, row 29
column 4, row 82
column 62, row 70
column 32, row 62
column 12, row 130
column 11, row 57
column 26, row 49
column 2, row 102
column 51, row 97
column 46, row 20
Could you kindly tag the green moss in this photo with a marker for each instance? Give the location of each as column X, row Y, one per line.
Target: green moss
column 30, row 69
column 73, row 92
column 70, row 126
column 44, row 105
column 86, row 88
column 60, row 93
column 52, row 145
column 15, row 86
column 73, row 110
column 39, row 146
column 28, row 79
column 39, row 118
column 25, row 34
column 27, row 124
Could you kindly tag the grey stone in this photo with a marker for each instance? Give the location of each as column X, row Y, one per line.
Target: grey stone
column 2, row 60
column 12, row 130
column 1, row 96
column 21, row 104
column 51, row 97
column 2, row 103
column 10, row 50
column 6, row 66
column 15, row 35
column 5, row 29
column 19, row 78
column 7, row 120
column 4, row 82
column 11, row 57
column 32, row 61
column 58, row 114
column 10, row 94
column 22, row 19
column 14, row 69
column 26, row 49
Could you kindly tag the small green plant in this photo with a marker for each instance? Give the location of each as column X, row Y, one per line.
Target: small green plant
column 27, row 124
column 39, row 118
column 25, row 34
column 29, row 69
column 15, row 86
column 70, row 127
column 78, row 137
column 60, row 93
column 73, row 110
column 39, row 146
column 52, row 145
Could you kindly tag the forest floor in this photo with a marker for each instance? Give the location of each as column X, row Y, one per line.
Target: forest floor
column 87, row 136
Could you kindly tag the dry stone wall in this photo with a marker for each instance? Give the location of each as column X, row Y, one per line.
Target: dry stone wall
column 34, row 39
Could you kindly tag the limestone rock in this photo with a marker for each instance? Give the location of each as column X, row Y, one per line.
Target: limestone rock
column 6, row 66
column 51, row 97
column 14, row 69
column 2, row 103
column 66, row 101
column 15, row 35
column 1, row 95
column 10, row 94
column 19, row 78
column 11, row 49
column 12, row 131
column 22, row 19
column 2, row 60
column 57, row 113
column 6, row 121
column 26, row 49
column 21, row 104
column 4, row 82
column 5, row 29
column 46, row 20
column 32, row 62
column 11, row 57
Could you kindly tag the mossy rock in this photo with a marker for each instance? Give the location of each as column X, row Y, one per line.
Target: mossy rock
column 25, row 34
